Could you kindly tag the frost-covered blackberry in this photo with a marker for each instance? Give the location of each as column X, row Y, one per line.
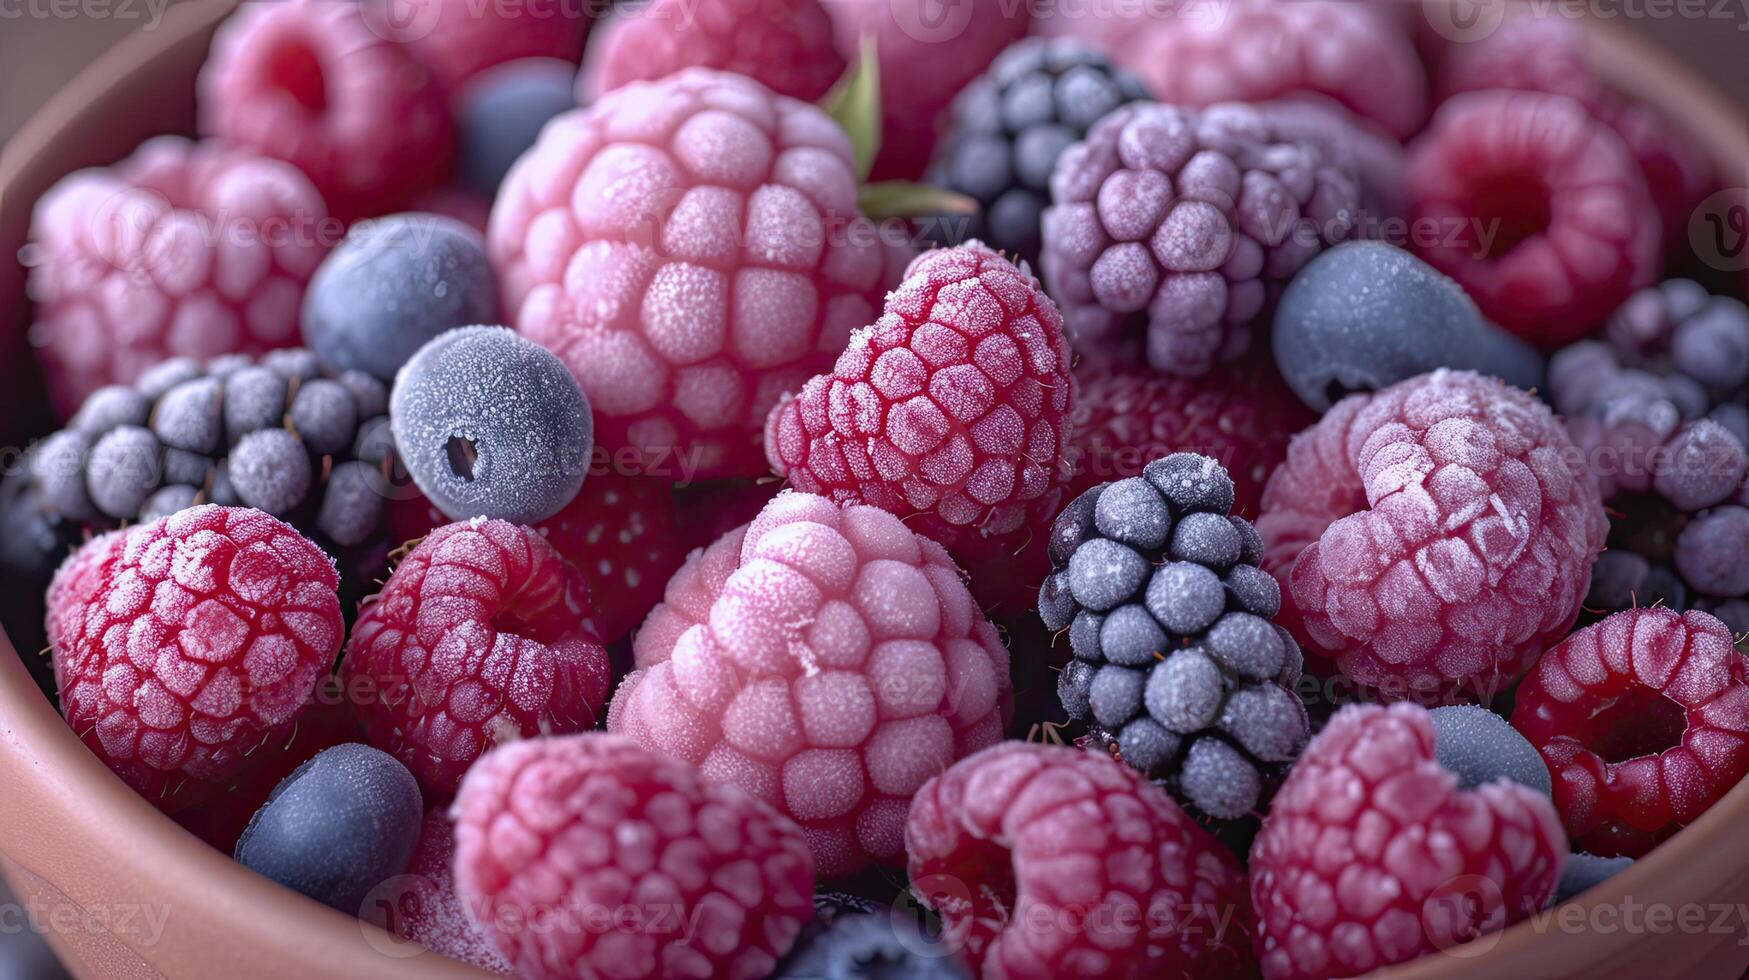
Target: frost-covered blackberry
column 490, row 424
column 1009, row 126
column 1480, row 746
column 269, row 433
column 1177, row 669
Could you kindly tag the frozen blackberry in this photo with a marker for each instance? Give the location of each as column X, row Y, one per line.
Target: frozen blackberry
column 393, row 284
column 277, row 434
column 1008, row 127
column 1177, row 667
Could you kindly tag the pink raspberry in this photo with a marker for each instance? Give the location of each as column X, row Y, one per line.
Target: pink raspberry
column 311, row 82
column 184, row 645
column 1371, row 854
column 695, row 878
column 1170, row 229
column 951, row 410
column 1549, row 54
column 425, row 907
column 1045, row 861
column 1543, row 215
column 458, row 39
column 1436, row 536
column 928, row 50
column 482, row 634
column 785, row 45
column 1198, row 54
column 692, row 248
column 841, row 665
column 1643, row 718
column 183, row 249
column 687, row 600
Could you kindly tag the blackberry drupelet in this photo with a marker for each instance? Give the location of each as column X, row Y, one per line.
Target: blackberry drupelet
column 1177, row 669
column 1008, row 127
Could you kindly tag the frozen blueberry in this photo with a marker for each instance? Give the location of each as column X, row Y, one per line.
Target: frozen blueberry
column 191, row 416
column 501, row 110
column 270, row 471
column 124, row 468
column 1479, row 746
column 324, row 415
column 337, row 827
column 254, row 399
column 1582, row 872
column 108, row 407
column 393, row 284
column 491, row 424
column 1365, row 315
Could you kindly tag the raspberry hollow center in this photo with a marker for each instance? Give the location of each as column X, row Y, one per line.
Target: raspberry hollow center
column 1511, row 208
column 1640, row 723
column 293, row 68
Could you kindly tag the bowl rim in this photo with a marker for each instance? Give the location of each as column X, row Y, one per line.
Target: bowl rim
column 63, row 781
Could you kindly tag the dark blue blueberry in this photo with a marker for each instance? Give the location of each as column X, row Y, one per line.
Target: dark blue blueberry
column 270, row 471
column 491, row 424
column 1365, row 315
column 500, row 112
column 1479, row 746
column 1582, row 872
column 340, row 825
column 124, row 468
column 392, row 285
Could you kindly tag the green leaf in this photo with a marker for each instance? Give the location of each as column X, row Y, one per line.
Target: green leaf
column 855, row 103
column 900, row 199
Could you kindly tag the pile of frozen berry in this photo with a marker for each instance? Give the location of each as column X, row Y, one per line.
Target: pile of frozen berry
column 545, row 489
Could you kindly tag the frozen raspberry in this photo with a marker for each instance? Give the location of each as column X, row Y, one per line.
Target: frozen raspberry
column 424, row 906
column 841, row 665
column 1242, row 416
column 784, row 44
column 691, row 248
column 1258, row 50
column 622, row 534
column 457, row 39
column 1372, row 855
column 1170, row 229
column 687, row 599
column 1048, row 862
column 1549, row 54
column 1448, row 531
column 1544, row 216
column 184, row 645
column 482, row 634
column 928, row 51
column 551, row 832
column 312, row 82
column 951, row 410
column 1643, row 719
column 164, row 255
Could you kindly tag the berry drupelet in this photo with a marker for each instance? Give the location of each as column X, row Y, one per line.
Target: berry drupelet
column 1177, row 665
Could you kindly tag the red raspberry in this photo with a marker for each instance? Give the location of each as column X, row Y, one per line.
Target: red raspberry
column 1549, row 54
column 687, row 600
column 1448, row 527
column 841, row 665
column 1259, row 50
column 1542, row 214
column 1371, row 854
column 621, row 533
column 1045, row 861
column 184, row 645
column 1643, row 719
column 587, row 856
column 784, row 44
column 311, row 82
column 951, row 410
column 928, row 50
column 1241, row 416
column 183, row 249
column 425, row 907
column 692, row 248
column 484, row 632
column 458, row 39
